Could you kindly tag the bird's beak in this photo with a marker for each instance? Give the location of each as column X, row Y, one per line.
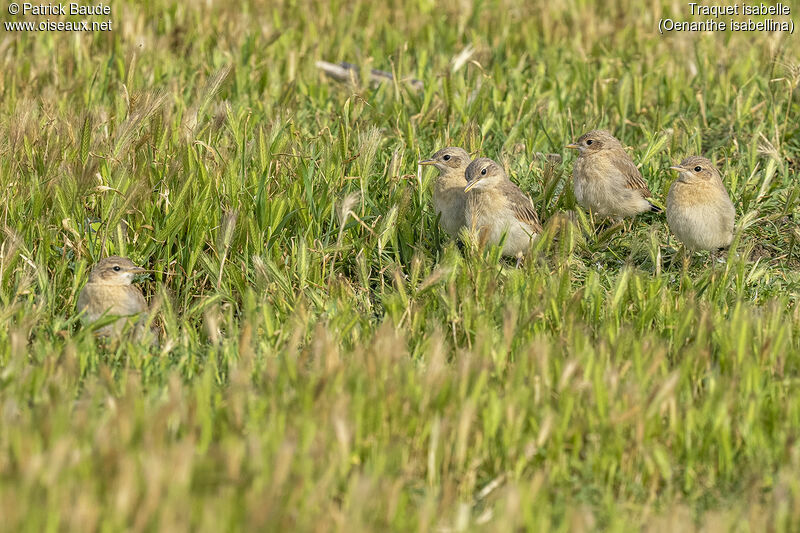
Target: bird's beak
column 572, row 146
column 138, row 270
column 681, row 175
column 426, row 162
column 470, row 185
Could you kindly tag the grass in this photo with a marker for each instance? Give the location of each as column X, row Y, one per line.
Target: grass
column 329, row 360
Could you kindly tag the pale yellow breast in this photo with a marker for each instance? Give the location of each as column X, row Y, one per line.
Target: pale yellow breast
column 121, row 300
column 449, row 201
column 694, row 194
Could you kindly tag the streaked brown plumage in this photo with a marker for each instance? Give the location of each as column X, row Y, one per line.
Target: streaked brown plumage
column 109, row 293
column 699, row 211
column 496, row 206
column 449, row 197
column 606, row 180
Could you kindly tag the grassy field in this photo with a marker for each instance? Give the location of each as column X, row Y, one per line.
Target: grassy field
column 329, row 360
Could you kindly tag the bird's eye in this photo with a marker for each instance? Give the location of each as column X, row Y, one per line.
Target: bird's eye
column 117, row 269
column 589, row 142
column 698, row 169
column 447, row 157
column 483, row 172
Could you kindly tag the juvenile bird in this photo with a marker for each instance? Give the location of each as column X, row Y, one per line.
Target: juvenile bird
column 605, row 179
column 699, row 211
column 448, row 190
column 496, row 206
column 109, row 292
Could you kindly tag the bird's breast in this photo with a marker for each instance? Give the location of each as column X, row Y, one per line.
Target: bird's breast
column 97, row 299
column 695, row 194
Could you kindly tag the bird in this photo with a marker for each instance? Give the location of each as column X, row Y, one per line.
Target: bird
column 448, row 190
column 109, row 292
column 496, row 206
column 699, row 211
column 605, row 178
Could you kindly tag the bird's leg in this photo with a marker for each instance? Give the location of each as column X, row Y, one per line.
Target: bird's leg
column 519, row 260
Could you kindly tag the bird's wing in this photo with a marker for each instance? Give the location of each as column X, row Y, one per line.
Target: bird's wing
column 633, row 178
column 522, row 206
column 83, row 300
column 728, row 215
column 135, row 302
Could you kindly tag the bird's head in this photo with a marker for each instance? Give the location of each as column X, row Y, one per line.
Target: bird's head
column 483, row 173
column 696, row 169
column 448, row 159
column 114, row 270
column 595, row 141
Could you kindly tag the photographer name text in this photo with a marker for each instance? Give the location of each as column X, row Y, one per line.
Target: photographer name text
column 44, row 23
column 72, row 9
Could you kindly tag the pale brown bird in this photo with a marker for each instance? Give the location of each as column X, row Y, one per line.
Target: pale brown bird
column 497, row 207
column 109, row 292
column 699, row 211
column 449, row 197
column 605, row 179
